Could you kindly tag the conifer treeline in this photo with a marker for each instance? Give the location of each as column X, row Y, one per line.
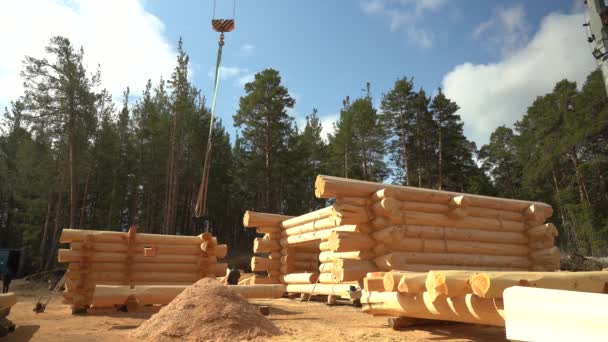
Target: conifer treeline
column 70, row 157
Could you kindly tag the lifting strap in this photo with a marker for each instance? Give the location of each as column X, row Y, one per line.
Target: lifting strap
column 201, row 200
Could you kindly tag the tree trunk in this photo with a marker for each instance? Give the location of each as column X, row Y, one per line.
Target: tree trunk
column 346, row 161
column 84, row 201
column 45, row 230
column 440, row 160
column 73, row 180
column 582, row 188
column 57, row 224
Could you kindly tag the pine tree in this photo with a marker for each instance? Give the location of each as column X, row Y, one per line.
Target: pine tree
column 443, row 111
column 265, row 128
column 397, row 116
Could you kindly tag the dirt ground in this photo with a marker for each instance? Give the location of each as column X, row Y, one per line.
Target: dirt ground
column 312, row 321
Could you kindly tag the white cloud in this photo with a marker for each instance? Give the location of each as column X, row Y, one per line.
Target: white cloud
column 120, row 35
column 247, row 50
column 507, row 30
column 245, row 79
column 499, row 93
column 405, row 15
column 327, row 123
column 227, row 72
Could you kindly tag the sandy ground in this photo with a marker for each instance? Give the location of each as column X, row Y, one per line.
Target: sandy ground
column 312, row 321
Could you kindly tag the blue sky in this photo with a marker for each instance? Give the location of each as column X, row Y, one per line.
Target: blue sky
column 488, row 55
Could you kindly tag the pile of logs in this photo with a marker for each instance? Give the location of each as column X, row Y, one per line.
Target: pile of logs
column 7, row 300
column 464, row 296
column 374, row 227
column 133, row 259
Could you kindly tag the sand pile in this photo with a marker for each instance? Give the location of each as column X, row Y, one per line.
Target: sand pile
column 206, row 311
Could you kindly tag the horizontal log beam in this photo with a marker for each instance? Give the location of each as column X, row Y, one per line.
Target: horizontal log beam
column 400, row 260
column 332, row 187
column 256, row 219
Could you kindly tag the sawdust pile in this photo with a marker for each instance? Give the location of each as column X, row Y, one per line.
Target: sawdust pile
column 206, row 311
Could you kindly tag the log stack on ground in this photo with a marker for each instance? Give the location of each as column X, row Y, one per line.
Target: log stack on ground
column 267, row 249
column 466, row 296
column 135, row 259
column 373, row 227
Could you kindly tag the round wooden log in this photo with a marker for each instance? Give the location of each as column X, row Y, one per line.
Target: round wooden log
column 373, row 283
column 466, row 309
column 420, row 218
column 259, row 264
column 316, row 236
column 381, row 249
column 274, row 256
column 430, row 267
column 448, row 283
column 7, row 300
column 220, row 251
column 380, row 222
column 542, row 231
column 390, row 280
column 326, row 267
column 385, row 206
column 141, row 267
column 382, row 194
column 469, row 210
column 398, row 232
column 274, row 273
column 330, row 256
column 311, row 226
column 258, row 280
column 492, row 285
column 267, row 230
column 108, row 296
column 412, row 282
column 351, row 270
column 341, row 218
column 548, row 254
column 341, row 290
column 449, row 246
column 312, row 247
column 326, row 278
column 259, row 291
column 545, row 243
column 138, row 248
column 332, row 187
column 306, row 218
column 358, row 201
column 295, row 257
column 299, row 278
column 400, row 260
column 324, row 246
column 73, row 235
column 66, row 255
column 265, row 246
column 255, row 219
column 349, row 242
column 103, row 277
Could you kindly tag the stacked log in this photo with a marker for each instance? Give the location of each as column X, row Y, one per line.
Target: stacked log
column 372, row 227
column 267, row 249
column 419, row 229
column 134, row 259
column 466, row 296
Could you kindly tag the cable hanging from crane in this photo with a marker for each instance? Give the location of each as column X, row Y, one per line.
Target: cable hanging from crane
column 222, row 26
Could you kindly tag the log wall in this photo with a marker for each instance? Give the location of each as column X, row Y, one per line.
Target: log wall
column 133, row 259
column 373, row 227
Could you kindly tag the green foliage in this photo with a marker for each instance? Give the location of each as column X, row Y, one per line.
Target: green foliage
column 68, row 154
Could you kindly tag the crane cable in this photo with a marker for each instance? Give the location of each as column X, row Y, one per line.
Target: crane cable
column 201, row 200
column 220, row 26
